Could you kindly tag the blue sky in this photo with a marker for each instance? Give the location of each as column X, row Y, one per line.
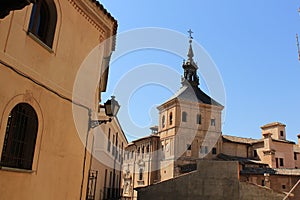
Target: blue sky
column 252, row 44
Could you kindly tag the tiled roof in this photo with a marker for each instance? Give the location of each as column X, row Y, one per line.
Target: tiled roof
column 194, row 94
column 272, row 124
column 241, row 160
column 242, row 140
column 142, row 138
column 282, row 171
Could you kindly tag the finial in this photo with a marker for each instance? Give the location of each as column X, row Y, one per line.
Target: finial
column 190, row 34
column 190, row 53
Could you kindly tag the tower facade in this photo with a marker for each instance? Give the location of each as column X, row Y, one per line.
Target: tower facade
column 190, row 124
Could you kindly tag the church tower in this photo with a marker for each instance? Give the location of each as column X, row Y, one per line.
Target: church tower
column 190, row 124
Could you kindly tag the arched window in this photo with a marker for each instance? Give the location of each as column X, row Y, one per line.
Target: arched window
column 43, row 21
column 20, row 137
column 148, row 149
column 171, row 118
column 198, row 119
column 141, row 174
column 163, row 121
column 184, row 116
column 213, row 122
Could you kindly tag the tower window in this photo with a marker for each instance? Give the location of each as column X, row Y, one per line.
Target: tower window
column 213, row 122
column 189, row 147
column 171, row 118
column 43, row 21
column 20, row 137
column 184, row 116
column 198, row 120
column 214, row 151
column 281, row 163
column 281, row 133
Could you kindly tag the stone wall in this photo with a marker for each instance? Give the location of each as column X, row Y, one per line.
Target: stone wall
column 214, row 180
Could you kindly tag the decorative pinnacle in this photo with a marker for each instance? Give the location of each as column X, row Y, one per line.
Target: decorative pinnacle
column 190, row 32
column 190, row 53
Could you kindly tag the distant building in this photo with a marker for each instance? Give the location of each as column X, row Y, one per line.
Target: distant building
column 42, row 46
column 109, row 142
column 190, row 130
column 141, row 164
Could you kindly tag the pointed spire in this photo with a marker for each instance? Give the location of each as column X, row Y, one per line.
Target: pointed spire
column 190, row 53
column 190, row 67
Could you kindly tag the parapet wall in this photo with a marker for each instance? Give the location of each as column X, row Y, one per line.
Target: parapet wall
column 214, row 180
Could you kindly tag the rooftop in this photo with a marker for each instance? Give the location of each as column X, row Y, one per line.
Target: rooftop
column 242, row 140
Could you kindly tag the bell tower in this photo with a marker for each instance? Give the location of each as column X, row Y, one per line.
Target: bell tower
column 189, row 123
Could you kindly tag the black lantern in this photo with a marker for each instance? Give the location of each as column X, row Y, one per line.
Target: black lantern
column 111, row 107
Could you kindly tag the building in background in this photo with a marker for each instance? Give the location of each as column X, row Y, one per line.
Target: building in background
column 108, row 149
column 190, row 130
column 141, row 164
column 42, row 47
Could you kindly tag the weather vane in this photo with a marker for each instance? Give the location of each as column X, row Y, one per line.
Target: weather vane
column 190, row 32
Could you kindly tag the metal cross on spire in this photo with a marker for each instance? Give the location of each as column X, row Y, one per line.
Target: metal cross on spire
column 190, row 32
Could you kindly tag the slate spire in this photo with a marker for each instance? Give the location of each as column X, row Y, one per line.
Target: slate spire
column 190, row 76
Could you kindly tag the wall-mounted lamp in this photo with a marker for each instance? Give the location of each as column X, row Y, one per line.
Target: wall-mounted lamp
column 111, row 107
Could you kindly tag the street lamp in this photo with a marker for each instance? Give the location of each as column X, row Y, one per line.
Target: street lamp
column 111, row 107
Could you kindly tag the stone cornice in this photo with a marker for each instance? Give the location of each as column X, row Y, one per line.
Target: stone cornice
column 97, row 17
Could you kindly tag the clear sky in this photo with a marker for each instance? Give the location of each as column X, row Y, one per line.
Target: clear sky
column 252, row 43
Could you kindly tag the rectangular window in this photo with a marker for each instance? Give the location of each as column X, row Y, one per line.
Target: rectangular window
column 295, row 156
column 213, row 122
column 281, row 162
column 214, row 151
column 189, row 147
column 281, row 133
column 204, row 150
column 198, row 119
column 108, row 141
column 283, row 187
column 113, row 147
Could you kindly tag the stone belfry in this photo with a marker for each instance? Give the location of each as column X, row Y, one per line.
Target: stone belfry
column 189, row 123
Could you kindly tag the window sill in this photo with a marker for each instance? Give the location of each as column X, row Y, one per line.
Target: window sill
column 40, row 42
column 140, row 182
column 16, row 170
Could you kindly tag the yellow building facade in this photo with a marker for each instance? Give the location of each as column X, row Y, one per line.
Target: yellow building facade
column 42, row 46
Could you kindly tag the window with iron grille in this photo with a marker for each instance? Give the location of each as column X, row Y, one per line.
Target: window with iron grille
column 43, row 21
column 20, row 137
